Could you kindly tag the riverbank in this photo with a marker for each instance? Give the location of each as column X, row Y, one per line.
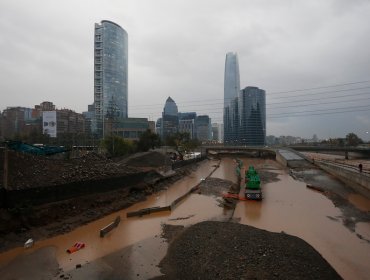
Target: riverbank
column 44, row 221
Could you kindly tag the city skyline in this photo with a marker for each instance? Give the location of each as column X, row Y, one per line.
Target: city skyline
column 179, row 52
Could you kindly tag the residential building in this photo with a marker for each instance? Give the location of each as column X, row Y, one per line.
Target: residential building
column 110, row 74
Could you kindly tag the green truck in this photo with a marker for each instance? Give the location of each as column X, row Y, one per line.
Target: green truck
column 252, row 184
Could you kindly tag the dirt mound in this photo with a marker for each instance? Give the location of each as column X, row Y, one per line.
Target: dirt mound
column 29, row 171
column 147, row 159
column 219, row 250
column 214, row 186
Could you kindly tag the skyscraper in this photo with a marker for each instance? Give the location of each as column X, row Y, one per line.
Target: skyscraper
column 231, row 94
column 110, row 73
column 170, row 119
column 252, row 106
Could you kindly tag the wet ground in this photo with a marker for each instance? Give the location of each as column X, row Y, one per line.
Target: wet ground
column 136, row 246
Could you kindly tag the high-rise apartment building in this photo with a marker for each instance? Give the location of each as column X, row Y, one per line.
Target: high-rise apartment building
column 252, row 104
column 231, row 93
column 110, row 74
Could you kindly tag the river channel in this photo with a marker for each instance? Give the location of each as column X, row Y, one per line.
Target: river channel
column 136, row 246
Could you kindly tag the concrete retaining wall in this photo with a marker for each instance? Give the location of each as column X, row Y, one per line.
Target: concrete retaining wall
column 358, row 181
column 280, row 159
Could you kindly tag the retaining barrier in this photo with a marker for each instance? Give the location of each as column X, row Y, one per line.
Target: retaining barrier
column 110, row 227
column 170, row 207
column 47, row 194
column 352, row 177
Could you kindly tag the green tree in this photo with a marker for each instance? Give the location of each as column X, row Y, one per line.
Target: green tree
column 181, row 141
column 117, row 146
column 148, row 140
column 178, row 139
column 353, row 140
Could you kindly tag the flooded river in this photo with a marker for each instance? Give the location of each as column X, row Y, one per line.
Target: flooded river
column 136, row 247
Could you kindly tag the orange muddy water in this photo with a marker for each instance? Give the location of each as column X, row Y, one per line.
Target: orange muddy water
column 287, row 206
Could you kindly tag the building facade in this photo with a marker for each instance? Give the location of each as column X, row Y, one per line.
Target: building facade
column 129, row 128
column 187, row 123
column 203, row 128
column 110, row 74
column 231, row 94
column 252, row 131
column 217, row 132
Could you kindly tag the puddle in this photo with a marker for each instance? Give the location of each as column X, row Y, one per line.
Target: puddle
column 363, row 229
column 290, row 207
column 359, row 201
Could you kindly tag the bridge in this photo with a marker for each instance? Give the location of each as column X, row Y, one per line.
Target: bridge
column 252, row 150
column 364, row 151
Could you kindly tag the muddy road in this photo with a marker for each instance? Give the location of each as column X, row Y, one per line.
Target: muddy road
column 138, row 244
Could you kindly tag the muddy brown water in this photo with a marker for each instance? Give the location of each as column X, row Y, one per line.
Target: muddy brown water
column 135, row 247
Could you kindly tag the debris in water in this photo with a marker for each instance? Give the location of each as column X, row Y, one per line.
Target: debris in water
column 28, row 243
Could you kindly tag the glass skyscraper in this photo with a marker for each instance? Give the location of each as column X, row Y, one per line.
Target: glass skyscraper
column 244, row 111
column 170, row 119
column 110, row 74
column 252, row 106
column 231, row 94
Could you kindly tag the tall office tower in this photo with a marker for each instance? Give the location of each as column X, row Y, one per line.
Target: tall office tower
column 252, row 117
column 110, row 73
column 203, row 128
column 170, row 119
column 231, row 93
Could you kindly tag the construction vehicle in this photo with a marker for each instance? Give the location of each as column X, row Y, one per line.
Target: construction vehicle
column 252, row 184
column 43, row 150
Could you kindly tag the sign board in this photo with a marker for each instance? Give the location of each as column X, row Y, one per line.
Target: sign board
column 49, row 123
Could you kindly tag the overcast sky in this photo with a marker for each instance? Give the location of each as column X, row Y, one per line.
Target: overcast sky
column 177, row 48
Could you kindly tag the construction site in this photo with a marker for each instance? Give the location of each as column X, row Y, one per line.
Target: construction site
column 220, row 216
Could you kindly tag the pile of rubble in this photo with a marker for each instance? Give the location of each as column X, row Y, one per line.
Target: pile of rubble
column 29, row 171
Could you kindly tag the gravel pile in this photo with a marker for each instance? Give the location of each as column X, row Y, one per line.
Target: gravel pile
column 153, row 159
column 28, row 171
column 219, row 250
